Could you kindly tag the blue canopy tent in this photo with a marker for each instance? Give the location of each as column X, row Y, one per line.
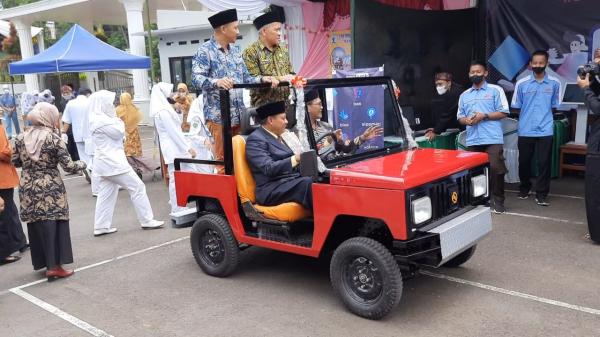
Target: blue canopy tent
column 77, row 51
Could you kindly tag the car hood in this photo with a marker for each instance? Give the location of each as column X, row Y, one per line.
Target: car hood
column 406, row 169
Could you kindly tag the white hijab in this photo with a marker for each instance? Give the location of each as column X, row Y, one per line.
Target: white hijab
column 101, row 110
column 158, row 99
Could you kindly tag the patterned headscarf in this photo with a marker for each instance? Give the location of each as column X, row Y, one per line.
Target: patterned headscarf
column 44, row 120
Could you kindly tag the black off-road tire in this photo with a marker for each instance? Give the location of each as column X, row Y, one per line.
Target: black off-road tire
column 461, row 258
column 376, row 290
column 214, row 247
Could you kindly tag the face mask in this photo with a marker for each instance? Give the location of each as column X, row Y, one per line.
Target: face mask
column 538, row 70
column 476, row 79
column 441, row 89
column 66, row 96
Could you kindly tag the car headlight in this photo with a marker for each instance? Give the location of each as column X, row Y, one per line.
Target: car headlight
column 421, row 209
column 479, row 185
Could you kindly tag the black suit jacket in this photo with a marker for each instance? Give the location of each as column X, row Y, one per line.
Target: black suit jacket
column 270, row 162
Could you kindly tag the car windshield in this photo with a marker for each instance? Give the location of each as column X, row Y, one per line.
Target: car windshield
column 345, row 120
column 353, row 119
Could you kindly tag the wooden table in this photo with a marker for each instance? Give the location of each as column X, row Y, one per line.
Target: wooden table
column 575, row 149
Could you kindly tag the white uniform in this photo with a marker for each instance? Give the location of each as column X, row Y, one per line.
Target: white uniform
column 75, row 114
column 110, row 164
column 173, row 144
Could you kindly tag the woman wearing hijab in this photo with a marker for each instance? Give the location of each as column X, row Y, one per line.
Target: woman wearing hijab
column 44, row 207
column 173, row 144
column 28, row 101
column 112, row 168
column 131, row 116
column 12, row 237
column 183, row 101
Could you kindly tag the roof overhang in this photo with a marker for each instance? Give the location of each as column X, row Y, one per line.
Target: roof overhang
column 92, row 11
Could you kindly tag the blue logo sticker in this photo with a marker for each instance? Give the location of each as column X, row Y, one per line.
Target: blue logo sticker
column 371, row 112
column 358, row 93
column 344, row 115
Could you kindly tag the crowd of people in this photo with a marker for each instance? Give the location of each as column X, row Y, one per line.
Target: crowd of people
column 85, row 133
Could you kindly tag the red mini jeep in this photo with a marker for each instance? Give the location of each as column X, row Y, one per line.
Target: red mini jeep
column 382, row 211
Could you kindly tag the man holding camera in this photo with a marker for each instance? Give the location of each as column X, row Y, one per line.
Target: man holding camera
column 590, row 84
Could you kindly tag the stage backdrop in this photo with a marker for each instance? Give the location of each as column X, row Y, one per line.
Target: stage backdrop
column 569, row 30
column 413, row 45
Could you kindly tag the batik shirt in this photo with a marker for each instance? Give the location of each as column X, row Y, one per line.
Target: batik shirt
column 210, row 64
column 261, row 61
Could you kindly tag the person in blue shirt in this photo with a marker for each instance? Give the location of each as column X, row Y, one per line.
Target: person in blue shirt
column 480, row 109
column 8, row 107
column 219, row 65
column 535, row 97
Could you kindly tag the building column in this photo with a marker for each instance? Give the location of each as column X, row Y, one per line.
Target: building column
column 41, row 42
column 24, row 32
column 137, row 46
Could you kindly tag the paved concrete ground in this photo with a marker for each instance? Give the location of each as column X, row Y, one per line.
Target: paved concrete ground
column 535, row 275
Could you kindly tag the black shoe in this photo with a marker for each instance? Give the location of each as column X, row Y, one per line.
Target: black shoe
column 523, row 195
column 24, row 248
column 542, row 201
column 498, row 208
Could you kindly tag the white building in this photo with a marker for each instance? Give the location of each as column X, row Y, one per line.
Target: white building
column 181, row 33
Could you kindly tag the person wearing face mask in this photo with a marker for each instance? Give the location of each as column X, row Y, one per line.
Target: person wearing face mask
column 112, row 167
column 66, row 93
column 480, row 109
column 266, row 57
column 217, row 65
column 444, row 105
column 8, row 110
column 535, row 98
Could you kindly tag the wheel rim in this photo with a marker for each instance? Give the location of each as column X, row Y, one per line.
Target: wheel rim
column 211, row 245
column 363, row 279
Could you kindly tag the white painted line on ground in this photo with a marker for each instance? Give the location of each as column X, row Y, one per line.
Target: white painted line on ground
column 61, row 314
column 554, row 195
column 513, row 293
column 539, row 217
column 137, row 252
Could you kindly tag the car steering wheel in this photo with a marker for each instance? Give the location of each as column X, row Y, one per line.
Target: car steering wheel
column 331, row 149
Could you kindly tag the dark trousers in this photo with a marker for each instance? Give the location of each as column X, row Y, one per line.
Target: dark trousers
column 297, row 190
column 497, row 169
column 71, row 146
column 592, row 195
column 50, row 243
column 542, row 147
column 12, row 237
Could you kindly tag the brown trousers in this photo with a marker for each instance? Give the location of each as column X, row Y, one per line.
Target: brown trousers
column 497, row 168
column 217, row 132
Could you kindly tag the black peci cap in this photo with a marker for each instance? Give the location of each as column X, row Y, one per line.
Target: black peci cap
column 310, row 95
column 223, row 18
column 270, row 109
column 266, row 19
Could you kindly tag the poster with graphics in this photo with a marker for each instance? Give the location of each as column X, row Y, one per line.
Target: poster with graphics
column 357, row 108
column 568, row 29
column 340, row 51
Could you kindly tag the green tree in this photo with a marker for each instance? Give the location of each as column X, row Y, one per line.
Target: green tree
column 155, row 57
column 15, row 3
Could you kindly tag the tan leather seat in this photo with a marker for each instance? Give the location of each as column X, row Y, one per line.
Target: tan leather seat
column 286, row 212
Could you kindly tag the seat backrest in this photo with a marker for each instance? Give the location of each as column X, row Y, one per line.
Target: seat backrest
column 243, row 175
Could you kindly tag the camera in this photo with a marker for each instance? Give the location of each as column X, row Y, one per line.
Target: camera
column 591, row 68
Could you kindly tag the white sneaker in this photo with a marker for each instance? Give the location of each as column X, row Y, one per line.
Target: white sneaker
column 102, row 231
column 152, row 224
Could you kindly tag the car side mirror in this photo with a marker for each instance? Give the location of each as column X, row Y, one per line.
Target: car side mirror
column 309, row 165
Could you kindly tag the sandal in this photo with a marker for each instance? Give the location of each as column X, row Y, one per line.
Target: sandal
column 10, row 259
